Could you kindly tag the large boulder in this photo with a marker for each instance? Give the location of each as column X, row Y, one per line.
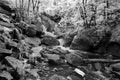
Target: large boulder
column 116, row 34
column 5, row 7
column 49, row 41
column 31, row 31
column 81, row 44
column 34, row 30
column 113, row 49
column 89, row 38
column 74, row 59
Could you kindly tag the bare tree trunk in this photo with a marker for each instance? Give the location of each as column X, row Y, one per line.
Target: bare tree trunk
column 28, row 9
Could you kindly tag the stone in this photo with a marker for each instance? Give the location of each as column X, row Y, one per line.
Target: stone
column 5, row 51
column 31, row 31
column 4, row 18
column 2, row 44
column 36, row 49
column 48, row 23
column 74, row 77
column 115, row 67
column 53, row 59
column 73, row 59
column 5, row 24
column 113, row 48
column 6, row 75
column 36, row 52
column 33, row 41
column 81, row 43
column 57, row 77
column 49, row 41
column 6, row 7
column 89, row 38
column 15, row 63
column 39, row 29
column 115, row 35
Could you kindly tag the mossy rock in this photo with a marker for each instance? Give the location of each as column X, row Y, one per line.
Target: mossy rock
column 50, row 41
column 89, row 38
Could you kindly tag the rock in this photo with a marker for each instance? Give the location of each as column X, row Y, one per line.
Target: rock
column 9, row 25
column 50, row 41
column 5, row 7
column 22, row 26
column 116, row 67
column 33, row 41
column 57, row 77
column 39, row 34
column 53, row 58
column 113, row 48
column 98, row 66
column 11, row 44
column 36, row 51
column 15, row 34
column 15, row 63
column 101, row 46
column 33, row 72
column 2, row 45
column 81, row 43
column 74, row 77
column 31, row 31
column 4, row 18
column 86, row 39
column 5, row 51
column 6, row 75
column 35, row 30
column 39, row 29
column 115, row 35
column 54, row 17
column 74, row 59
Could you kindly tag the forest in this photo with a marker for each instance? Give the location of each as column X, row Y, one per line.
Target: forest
column 59, row 40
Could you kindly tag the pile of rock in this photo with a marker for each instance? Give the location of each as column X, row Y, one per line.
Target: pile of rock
column 33, row 50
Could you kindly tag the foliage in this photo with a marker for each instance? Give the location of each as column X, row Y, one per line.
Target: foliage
column 74, row 13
